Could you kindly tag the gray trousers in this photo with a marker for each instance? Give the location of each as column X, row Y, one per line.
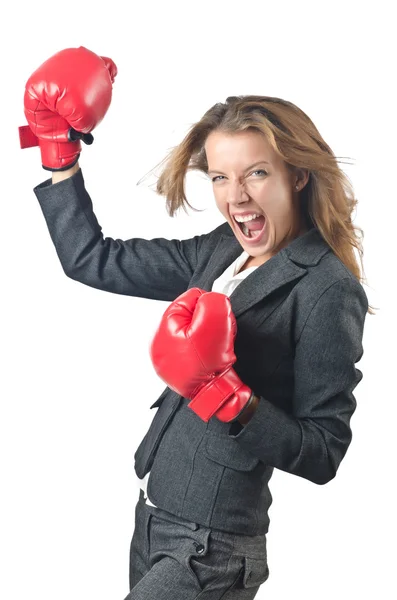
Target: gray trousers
column 175, row 559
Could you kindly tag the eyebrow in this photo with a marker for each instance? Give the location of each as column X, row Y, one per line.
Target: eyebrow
column 247, row 169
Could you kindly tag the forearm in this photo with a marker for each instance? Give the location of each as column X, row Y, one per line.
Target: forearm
column 86, row 256
column 248, row 411
column 61, row 175
column 157, row 269
column 309, row 448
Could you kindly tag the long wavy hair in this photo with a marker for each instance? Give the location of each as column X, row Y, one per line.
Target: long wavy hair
column 327, row 201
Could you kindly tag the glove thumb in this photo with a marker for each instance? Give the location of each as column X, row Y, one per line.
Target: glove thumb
column 111, row 67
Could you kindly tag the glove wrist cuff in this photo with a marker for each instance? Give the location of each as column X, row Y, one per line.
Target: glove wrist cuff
column 226, row 387
column 59, row 156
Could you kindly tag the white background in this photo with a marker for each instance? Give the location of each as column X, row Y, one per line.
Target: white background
column 77, row 381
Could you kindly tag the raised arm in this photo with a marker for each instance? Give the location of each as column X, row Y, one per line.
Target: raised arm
column 159, row 269
column 65, row 98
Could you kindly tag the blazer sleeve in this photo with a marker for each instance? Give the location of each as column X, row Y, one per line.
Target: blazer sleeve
column 312, row 441
column 159, row 269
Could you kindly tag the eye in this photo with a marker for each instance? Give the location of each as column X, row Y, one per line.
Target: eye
column 217, row 177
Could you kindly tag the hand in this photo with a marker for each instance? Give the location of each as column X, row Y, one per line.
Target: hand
column 65, row 99
column 193, row 352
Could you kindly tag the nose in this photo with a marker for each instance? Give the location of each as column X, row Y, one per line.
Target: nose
column 237, row 193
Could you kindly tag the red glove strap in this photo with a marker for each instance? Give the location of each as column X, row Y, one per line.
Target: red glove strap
column 225, row 388
column 27, row 138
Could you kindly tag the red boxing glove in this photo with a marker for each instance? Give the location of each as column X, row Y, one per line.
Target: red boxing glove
column 65, row 99
column 193, row 352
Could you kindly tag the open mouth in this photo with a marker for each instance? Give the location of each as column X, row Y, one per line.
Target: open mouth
column 253, row 235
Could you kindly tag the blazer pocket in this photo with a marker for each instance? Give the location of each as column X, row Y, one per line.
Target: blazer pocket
column 224, row 450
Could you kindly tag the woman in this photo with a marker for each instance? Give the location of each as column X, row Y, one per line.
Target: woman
column 281, row 333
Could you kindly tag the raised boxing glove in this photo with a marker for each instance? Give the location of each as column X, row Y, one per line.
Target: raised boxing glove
column 65, row 99
column 192, row 351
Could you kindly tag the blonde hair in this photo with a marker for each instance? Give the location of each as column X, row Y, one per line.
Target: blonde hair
column 327, row 200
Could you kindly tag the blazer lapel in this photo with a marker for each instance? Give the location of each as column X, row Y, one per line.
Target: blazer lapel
column 287, row 265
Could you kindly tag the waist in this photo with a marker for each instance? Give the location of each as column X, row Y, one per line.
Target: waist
column 251, row 545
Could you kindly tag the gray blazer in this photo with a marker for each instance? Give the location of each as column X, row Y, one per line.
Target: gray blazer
column 300, row 319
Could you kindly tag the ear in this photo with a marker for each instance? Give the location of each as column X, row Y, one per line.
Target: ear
column 301, row 178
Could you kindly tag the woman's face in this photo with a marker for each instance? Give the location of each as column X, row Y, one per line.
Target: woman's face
column 248, row 177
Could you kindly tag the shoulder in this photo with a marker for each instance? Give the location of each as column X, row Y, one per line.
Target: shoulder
column 206, row 243
column 331, row 276
column 324, row 270
column 328, row 294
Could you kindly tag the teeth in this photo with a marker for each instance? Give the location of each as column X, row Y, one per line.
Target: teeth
column 245, row 219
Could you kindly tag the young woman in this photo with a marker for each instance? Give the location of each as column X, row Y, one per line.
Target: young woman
column 259, row 344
